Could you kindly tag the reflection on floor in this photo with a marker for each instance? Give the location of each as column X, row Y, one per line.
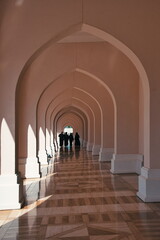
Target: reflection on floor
column 82, row 200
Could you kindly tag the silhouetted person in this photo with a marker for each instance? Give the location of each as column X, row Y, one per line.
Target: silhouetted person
column 71, row 138
column 61, row 138
column 77, row 141
column 66, row 139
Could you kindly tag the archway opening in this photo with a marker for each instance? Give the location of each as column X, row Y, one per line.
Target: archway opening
column 68, row 129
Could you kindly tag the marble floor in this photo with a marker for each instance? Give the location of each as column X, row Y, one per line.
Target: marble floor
column 81, row 200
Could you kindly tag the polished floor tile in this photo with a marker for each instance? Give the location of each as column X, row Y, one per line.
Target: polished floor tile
column 78, row 198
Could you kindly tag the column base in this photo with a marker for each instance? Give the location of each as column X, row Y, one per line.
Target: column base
column 148, row 185
column 47, row 169
column 89, row 147
column 29, row 167
column 49, row 151
column 52, row 151
column 55, row 146
column 11, row 189
column 84, row 144
column 96, row 149
column 126, row 163
column 105, row 154
column 42, row 156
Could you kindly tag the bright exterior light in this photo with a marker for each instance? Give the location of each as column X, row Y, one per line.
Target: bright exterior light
column 68, row 129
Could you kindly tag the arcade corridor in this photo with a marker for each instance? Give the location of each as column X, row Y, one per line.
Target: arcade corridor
column 92, row 65
column 80, row 199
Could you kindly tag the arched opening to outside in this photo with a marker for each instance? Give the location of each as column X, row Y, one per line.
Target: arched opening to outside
column 68, row 129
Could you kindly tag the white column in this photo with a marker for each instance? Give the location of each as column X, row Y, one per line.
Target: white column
column 11, row 186
column 52, row 144
column 106, row 154
column 42, row 155
column 89, row 147
column 29, row 166
column 84, row 144
column 96, row 149
column 148, row 185
column 126, row 163
column 48, row 144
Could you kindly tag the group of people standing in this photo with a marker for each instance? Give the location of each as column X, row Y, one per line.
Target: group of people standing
column 65, row 139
